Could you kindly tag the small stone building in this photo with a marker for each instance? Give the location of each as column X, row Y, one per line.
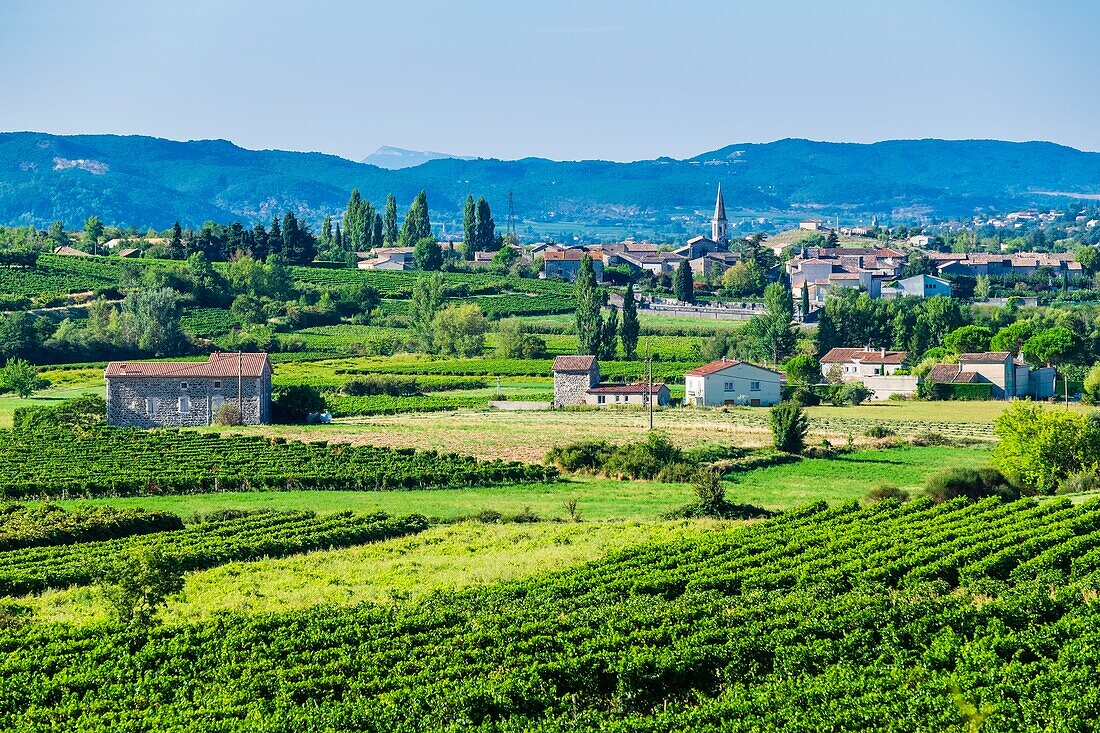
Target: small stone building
column 188, row 394
column 623, row 395
column 573, row 377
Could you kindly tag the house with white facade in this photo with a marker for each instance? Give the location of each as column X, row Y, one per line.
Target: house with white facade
column 855, row 365
column 625, row 395
column 731, row 382
column 920, row 286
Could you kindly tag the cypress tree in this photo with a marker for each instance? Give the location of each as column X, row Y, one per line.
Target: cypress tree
column 389, row 222
column 275, row 238
column 326, row 232
column 683, row 287
column 175, row 245
column 260, row 245
column 589, row 319
column 628, row 332
column 379, row 237
column 805, row 300
column 469, row 229
column 486, row 229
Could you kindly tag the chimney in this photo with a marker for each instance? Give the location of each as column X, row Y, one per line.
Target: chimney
column 884, row 352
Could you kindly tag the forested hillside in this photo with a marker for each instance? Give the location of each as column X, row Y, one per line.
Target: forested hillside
column 144, row 181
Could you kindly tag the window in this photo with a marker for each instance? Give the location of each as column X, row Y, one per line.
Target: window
column 754, row 386
column 183, row 385
column 728, row 387
column 600, row 400
column 216, row 403
column 217, row 385
column 184, row 404
column 151, row 406
column 616, row 398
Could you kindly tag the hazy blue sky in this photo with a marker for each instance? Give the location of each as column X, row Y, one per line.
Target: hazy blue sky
column 565, row 79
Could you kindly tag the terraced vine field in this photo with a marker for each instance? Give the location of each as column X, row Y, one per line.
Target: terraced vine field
column 113, row 461
column 951, row 617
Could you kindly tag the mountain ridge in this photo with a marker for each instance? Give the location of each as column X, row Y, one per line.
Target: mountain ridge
column 147, row 181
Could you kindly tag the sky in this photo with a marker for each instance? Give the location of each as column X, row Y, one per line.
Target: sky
column 562, row 79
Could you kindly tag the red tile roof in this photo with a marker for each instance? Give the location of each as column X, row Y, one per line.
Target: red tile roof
column 717, row 366
column 636, row 388
column 951, row 373
column 574, row 363
column 984, row 357
column 219, row 365
column 864, row 356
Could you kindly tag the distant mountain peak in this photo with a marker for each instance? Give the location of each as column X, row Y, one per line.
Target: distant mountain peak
column 392, row 158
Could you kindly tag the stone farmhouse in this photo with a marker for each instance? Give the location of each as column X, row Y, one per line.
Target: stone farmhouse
column 1011, row 377
column 577, row 382
column 730, row 382
column 188, row 394
column 565, row 263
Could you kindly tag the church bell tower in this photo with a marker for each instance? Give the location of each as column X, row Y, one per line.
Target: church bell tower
column 719, row 227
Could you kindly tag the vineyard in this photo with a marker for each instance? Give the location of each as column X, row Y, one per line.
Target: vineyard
column 56, row 275
column 202, row 545
column 894, row 617
column 48, row 524
column 110, row 461
column 399, row 284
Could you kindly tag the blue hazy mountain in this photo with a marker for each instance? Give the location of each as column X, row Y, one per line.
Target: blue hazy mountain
column 393, row 159
column 146, row 181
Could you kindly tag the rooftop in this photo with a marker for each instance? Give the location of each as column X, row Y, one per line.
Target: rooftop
column 574, row 363
column 219, row 365
column 864, row 356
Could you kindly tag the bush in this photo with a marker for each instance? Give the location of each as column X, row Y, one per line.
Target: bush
column 882, row 492
column 80, row 412
column 789, row 426
column 851, row 393
column 294, row 405
column 880, row 431
column 971, row 483
column 706, row 482
column 1080, row 482
column 642, row 460
column 229, row 414
column 589, row 455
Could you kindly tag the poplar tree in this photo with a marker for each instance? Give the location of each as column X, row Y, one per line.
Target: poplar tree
column 417, row 225
column 609, row 336
column 354, row 226
column 589, row 319
column 326, row 232
column 379, row 236
column 469, row 229
column 389, row 222
column 485, row 227
column 628, row 332
column 683, row 287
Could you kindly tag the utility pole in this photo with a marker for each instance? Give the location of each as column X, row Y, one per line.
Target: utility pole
column 649, row 381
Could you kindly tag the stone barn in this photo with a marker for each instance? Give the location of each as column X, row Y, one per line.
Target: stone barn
column 573, row 377
column 188, row 394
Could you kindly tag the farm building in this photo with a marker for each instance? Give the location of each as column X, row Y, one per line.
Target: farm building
column 854, row 365
column 188, row 394
column 1010, row 377
column 730, row 382
column 608, row 395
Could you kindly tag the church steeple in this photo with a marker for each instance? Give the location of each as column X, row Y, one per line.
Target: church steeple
column 719, row 227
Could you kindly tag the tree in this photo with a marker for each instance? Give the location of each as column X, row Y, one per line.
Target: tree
column 682, row 285
column 805, row 300
column 326, row 232
column 93, row 232
column 515, row 341
column 1012, row 337
column 150, row 321
column 982, row 287
column 1092, row 386
column 175, row 241
column 389, row 222
column 609, row 337
column 1049, row 346
column 427, row 299
column 56, row 232
column 968, row 339
column 789, row 426
column 485, row 227
column 21, row 378
column 802, row 369
column 628, row 331
column 459, row 330
column 589, row 302
column 469, row 229
column 744, row 279
column 417, row 225
column 1037, row 448
column 427, row 254
column 773, row 331
column 139, row 583
column 355, row 222
column 294, row 404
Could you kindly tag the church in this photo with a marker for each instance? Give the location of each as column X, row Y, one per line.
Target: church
column 719, row 240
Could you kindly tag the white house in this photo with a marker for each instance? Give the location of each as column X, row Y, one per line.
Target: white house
column 922, row 286
column 730, row 382
column 855, row 365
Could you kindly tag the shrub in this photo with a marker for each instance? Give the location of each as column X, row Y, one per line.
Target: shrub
column 295, row 404
column 706, row 482
column 643, row 460
column 882, row 492
column 1080, row 482
column 789, row 426
column 80, row 412
column 852, row 393
column 138, row 584
column 229, row 414
column 880, row 431
column 589, row 455
column 1039, row 448
column 972, row 483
